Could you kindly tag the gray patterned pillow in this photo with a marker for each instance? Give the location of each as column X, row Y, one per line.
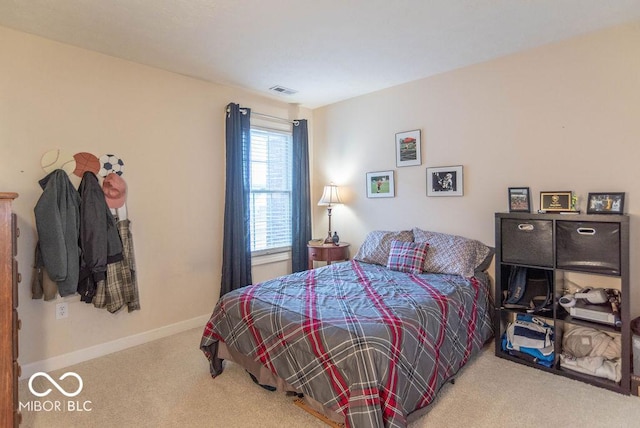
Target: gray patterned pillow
column 377, row 245
column 453, row 254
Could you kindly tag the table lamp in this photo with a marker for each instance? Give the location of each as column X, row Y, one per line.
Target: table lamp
column 330, row 197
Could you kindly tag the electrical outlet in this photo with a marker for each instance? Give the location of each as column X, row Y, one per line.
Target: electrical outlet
column 62, row 310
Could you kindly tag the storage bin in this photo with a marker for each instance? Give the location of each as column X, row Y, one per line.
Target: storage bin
column 528, row 242
column 588, row 246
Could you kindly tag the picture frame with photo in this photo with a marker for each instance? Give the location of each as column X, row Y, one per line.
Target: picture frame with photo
column 519, row 200
column 605, row 203
column 408, row 148
column 445, row 181
column 380, row 184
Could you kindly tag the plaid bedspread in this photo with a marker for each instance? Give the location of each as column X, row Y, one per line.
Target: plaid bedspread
column 367, row 342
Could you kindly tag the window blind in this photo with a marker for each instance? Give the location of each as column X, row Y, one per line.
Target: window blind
column 270, row 161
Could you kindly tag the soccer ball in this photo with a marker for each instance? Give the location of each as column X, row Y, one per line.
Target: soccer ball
column 111, row 164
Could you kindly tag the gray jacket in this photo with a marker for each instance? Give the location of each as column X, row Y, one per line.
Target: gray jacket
column 99, row 239
column 57, row 214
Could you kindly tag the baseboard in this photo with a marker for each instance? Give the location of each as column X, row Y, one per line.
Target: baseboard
column 79, row 356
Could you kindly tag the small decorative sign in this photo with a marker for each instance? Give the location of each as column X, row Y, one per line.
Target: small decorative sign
column 555, row 201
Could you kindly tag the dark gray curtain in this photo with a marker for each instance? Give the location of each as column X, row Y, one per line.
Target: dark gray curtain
column 300, row 199
column 236, row 246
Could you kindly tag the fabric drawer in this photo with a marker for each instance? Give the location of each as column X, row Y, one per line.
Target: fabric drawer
column 588, row 246
column 527, row 242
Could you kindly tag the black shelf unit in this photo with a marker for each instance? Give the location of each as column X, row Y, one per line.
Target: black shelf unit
column 543, row 245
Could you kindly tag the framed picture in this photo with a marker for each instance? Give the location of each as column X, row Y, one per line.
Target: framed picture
column 555, row 201
column 408, row 148
column 605, row 203
column 380, row 184
column 445, row 181
column 519, row 200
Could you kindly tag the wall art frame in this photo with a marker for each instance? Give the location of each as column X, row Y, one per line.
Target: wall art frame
column 445, row 181
column 408, row 146
column 380, row 184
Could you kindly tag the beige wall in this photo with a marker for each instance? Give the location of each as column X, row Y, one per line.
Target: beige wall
column 561, row 117
column 169, row 130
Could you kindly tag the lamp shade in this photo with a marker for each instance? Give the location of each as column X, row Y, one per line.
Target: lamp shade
column 330, row 196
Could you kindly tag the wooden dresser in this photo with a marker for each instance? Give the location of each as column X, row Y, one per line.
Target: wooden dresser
column 9, row 323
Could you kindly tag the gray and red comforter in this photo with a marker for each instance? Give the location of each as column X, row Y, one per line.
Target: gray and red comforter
column 365, row 341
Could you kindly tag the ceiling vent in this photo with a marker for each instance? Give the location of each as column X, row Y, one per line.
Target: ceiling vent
column 282, row 90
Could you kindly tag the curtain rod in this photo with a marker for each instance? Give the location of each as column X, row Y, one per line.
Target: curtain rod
column 266, row 116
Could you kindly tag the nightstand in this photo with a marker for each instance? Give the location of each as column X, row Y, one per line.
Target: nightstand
column 328, row 253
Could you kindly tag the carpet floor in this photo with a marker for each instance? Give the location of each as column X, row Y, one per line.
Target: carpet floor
column 166, row 383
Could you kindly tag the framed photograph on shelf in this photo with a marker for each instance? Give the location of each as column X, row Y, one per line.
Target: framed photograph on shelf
column 445, row 181
column 555, row 201
column 519, row 200
column 380, row 184
column 408, row 148
column 605, row 203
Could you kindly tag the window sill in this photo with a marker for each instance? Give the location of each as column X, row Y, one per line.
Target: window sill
column 270, row 258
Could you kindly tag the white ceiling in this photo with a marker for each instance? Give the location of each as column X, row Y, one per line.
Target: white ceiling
column 328, row 50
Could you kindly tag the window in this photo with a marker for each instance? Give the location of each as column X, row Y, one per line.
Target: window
column 270, row 160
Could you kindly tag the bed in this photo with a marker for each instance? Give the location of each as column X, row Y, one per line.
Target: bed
column 368, row 343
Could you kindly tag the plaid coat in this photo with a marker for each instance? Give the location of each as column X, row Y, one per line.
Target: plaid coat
column 120, row 288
